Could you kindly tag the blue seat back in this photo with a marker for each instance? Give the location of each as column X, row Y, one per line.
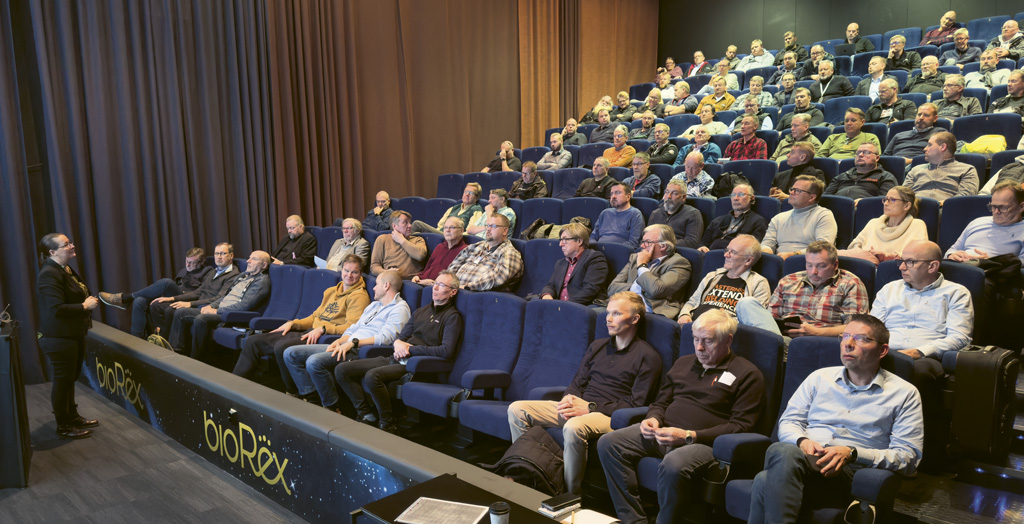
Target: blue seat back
column 590, row 152
column 986, row 28
column 829, row 166
column 662, row 171
column 957, row 212
column 285, row 291
column 842, row 210
column 859, row 65
column 487, row 344
column 679, row 123
column 620, row 173
column 722, row 141
column 435, row 209
column 645, row 205
column 575, row 151
column 696, row 259
column 764, row 72
column 534, row 154
column 586, row 129
column 432, row 239
column 504, row 179
column 416, row 206
column 412, row 294
column 314, row 283
column 567, row 181
column 325, row 239
column 617, row 255
column 912, row 34
column 550, row 209
column 640, row 91
column 835, row 108
column 450, row 185
column 589, row 207
column 760, row 173
column 556, row 335
column 639, row 144
column 484, row 179
column 706, row 206
column 968, row 128
column 538, row 260
column 925, row 50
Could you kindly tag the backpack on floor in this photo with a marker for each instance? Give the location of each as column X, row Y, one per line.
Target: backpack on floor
column 535, row 461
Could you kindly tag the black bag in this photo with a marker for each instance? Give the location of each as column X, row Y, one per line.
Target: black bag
column 726, row 182
column 535, row 461
column 984, row 399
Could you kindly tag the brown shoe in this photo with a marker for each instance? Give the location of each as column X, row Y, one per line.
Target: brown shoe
column 112, row 299
column 82, row 422
column 72, row 432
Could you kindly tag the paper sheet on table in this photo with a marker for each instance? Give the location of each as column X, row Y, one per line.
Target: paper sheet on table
column 588, row 516
column 434, row 511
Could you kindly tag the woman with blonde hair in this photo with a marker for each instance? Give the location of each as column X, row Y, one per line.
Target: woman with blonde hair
column 884, row 238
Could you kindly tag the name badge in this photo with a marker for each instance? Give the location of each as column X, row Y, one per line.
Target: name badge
column 727, row 378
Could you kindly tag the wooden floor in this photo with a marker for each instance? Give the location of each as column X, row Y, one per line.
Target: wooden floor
column 126, row 472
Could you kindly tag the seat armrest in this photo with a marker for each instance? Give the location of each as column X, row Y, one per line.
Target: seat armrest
column 627, row 417
column 327, row 339
column 238, row 317
column 486, row 378
column 547, row 393
column 427, row 364
column 742, row 449
column 266, row 323
column 376, row 351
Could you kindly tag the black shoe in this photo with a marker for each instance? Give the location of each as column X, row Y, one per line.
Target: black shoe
column 72, row 432
column 367, row 418
column 82, row 422
column 389, row 427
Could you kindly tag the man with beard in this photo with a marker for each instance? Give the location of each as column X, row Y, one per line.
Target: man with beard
column 299, row 247
column 686, row 222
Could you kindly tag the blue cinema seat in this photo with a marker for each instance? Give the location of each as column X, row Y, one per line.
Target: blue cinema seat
column 325, row 238
column 284, row 301
column 957, row 212
column 450, row 185
column 566, row 181
column 539, row 257
column 589, row 207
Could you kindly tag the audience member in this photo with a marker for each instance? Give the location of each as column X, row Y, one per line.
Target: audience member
column 664, row 84
column 730, row 57
column 942, row 176
column 911, row 143
column 695, row 181
column 652, row 103
column 350, row 243
column 747, row 146
column 890, row 107
column 558, row 158
column 570, row 137
column 953, row 104
column 799, row 162
column 493, row 264
column 791, row 232
column 620, row 154
column 604, row 130
column 829, row 85
column 622, row 112
column 672, row 68
column 683, row 102
column 962, row 53
column 604, row 103
column 929, row 80
column 1010, row 42
column 465, row 210
column 809, row 69
column 791, row 46
column 758, row 57
column 802, row 103
column 844, row 145
column 379, row 218
column 641, row 183
column 741, row 220
column 800, row 131
column 707, row 121
column 751, row 108
column 721, row 72
column 616, row 373
column 720, row 99
column 700, row 66
column 944, row 33
column 900, row 59
column 710, row 152
column 863, row 45
column 600, row 184
column 530, row 184
column 757, row 92
column 656, row 272
column 870, row 84
column 786, row 90
column 445, row 252
column 497, row 204
column 581, row 275
column 789, row 62
column 988, row 75
column 686, row 222
column 1000, row 234
column 299, row 247
column 722, row 288
column 1013, row 102
column 885, row 237
column 646, row 127
column 1012, row 172
column 505, row 160
column 215, row 284
column 661, row 150
column 865, row 179
column 399, row 251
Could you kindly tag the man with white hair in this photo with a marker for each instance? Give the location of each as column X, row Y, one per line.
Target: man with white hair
column 829, row 84
column 686, row 222
column 890, row 107
column 722, row 288
column 929, row 80
column 962, row 52
column 953, row 104
column 298, row 248
column 656, row 272
column 1010, row 42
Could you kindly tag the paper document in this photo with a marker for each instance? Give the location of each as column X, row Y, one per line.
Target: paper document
column 433, row 511
column 320, row 263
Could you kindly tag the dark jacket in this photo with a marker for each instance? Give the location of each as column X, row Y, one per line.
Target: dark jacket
column 784, row 179
column 687, row 223
column 801, row 54
column 786, row 120
column 523, row 191
column 191, row 280
column 212, row 288
column 377, row 222
column 587, row 282
column 665, row 154
column 836, row 87
column 434, row 331
column 256, row 289
column 299, row 251
column 919, row 84
column 808, row 68
column 864, row 86
column 59, row 301
column 907, row 61
column 715, row 236
column 852, row 184
column 902, row 109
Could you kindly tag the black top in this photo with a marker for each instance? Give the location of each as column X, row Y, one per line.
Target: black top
column 59, row 300
column 514, row 164
column 784, row 179
column 592, row 188
column 852, row 184
column 718, row 233
column 615, row 379
column 434, row 331
column 299, row 251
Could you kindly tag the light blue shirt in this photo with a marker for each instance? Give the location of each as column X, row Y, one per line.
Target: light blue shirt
column 983, row 234
column 883, row 420
column 934, row 320
column 381, row 322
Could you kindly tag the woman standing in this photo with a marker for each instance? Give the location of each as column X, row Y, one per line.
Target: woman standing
column 65, row 306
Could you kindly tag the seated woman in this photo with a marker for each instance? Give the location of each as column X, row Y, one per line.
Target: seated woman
column 707, row 119
column 884, row 238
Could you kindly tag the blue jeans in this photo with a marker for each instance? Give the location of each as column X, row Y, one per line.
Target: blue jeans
column 751, row 313
column 319, row 366
column 164, row 287
column 788, row 479
column 295, row 360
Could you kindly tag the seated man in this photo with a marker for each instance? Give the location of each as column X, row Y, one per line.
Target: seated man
column 657, row 273
column 722, row 288
column 911, row 143
column 590, row 117
column 341, row 306
column 799, row 162
column 944, row 33
column 622, row 112
column 445, row 252
column 579, row 277
column 379, row 218
column 298, row 248
column 748, row 146
column 569, row 135
column 802, row 103
column 1012, row 172
column 672, row 68
column 493, row 264
column 248, row 290
column 683, row 102
column 942, row 177
column 822, row 443
column 730, row 57
column 350, row 243
column 708, row 122
column 953, row 103
column 399, row 251
column 787, row 86
column 661, row 151
column 870, row 84
column 823, row 298
column 187, row 280
column 844, row 145
column 757, row 92
column 863, row 45
column 890, row 107
column 465, row 211
column 1010, row 42
column 621, row 153
column 642, row 183
column 497, row 204
column 810, row 68
column 214, row 286
column 708, row 150
column 962, row 52
column 751, row 107
column 604, row 130
column 865, row 179
column 829, row 85
column 1013, row 102
column 720, row 99
column 621, row 371
column 312, row 365
column 988, row 76
column 559, row 157
column 646, row 127
column 530, row 185
column 601, row 184
column 791, row 232
column 900, row 59
column 692, row 410
column 505, row 160
column 741, row 220
column 929, row 80
column 696, row 182
column 721, row 72
column 665, row 86
column 999, row 234
column 800, row 131
column 435, row 331
column 652, row 103
column 758, row 57
column 788, row 65
column 621, row 223
column 700, row 66
column 686, row 222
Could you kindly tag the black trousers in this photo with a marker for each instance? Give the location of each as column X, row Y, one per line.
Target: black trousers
column 65, row 356
column 268, row 344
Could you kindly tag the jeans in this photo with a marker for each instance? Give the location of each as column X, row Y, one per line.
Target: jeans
column 373, row 375
column 789, row 477
column 164, row 287
column 750, row 312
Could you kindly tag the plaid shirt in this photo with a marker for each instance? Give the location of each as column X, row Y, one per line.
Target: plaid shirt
column 829, row 305
column 481, row 268
column 752, row 150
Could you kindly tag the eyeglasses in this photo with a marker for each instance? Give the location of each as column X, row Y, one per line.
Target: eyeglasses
column 734, row 253
column 66, row 244
column 797, row 191
column 646, row 243
column 442, row 285
column 865, row 153
column 859, row 339
column 493, row 226
column 891, row 200
column 1002, row 209
column 911, row 262
column 221, row 253
column 739, row 195
column 566, row 239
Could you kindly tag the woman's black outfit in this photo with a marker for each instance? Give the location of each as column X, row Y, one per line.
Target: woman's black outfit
column 63, row 324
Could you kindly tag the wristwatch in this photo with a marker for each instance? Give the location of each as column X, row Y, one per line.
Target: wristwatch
column 592, row 407
column 355, row 343
column 853, row 454
column 691, row 437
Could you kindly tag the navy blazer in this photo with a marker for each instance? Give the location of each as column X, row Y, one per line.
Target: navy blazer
column 586, row 283
column 59, row 300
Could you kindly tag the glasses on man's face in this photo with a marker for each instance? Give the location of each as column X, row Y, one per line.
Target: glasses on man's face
column 911, row 262
column 442, row 286
column 866, row 153
column 739, row 195
column 66, row 244
column 493, row 226
column 566, row 239
column 221, row 253
column 797, row 191
column 649, row 243
column 1002, row 209
column 858, row 339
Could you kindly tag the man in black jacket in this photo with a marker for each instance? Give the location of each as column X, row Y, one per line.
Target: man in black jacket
column 299, row 247
column 216, row 284
column 742, row 220
column 581, row 276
